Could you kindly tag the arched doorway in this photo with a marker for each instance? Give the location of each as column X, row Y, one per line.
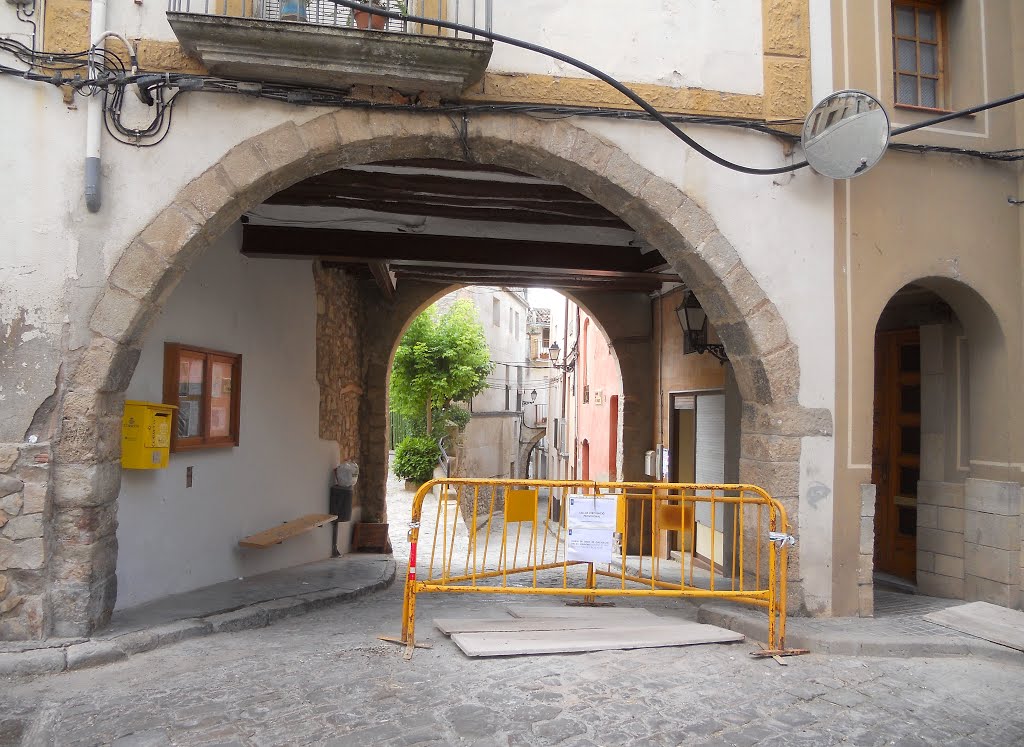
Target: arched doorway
column 86, row 452
column 941, row 384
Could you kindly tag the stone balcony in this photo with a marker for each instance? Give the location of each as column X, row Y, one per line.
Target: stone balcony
column 332, row 56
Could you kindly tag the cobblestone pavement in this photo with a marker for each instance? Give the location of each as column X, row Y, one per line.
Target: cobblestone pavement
column 324, row 678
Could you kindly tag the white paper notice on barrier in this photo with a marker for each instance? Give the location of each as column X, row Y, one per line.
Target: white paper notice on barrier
column 591, row 528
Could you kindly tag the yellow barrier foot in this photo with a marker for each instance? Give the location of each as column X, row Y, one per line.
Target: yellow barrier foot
column 777, row 654
column 578, row 603
column 409, row 646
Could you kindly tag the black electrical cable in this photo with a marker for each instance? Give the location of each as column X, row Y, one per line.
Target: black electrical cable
column 617, row 85
column 112, row 78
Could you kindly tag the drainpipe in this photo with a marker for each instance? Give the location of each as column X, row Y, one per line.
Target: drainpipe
column 94, row 112
column 94, row 109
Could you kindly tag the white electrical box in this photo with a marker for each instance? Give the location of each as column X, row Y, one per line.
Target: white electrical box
column 652, row 464
column 656, row 462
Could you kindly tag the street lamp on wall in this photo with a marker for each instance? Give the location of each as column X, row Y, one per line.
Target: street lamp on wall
column 553, row 352
column 694, row 322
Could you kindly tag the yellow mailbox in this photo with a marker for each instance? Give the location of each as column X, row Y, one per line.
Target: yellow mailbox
column 146, row 435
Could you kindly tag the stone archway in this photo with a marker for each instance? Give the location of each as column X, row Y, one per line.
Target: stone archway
column 525, row 449
column 624, row 320
column 86, row 471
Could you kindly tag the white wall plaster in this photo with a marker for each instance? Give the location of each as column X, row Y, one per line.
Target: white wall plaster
column 817, row 478
column 714, row 44
column 781, row 227
column 172, row 538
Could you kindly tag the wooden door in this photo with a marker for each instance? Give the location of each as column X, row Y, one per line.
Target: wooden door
column 896, row 454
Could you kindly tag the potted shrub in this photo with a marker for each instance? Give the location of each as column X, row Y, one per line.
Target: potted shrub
column 415, row 459
column 366, row 20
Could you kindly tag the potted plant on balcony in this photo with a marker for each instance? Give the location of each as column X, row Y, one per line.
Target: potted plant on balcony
column 366, row 20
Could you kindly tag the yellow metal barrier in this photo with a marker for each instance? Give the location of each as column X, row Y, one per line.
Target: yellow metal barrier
column 489, row 536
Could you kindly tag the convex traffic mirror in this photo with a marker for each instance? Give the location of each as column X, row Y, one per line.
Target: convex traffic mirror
column 845, row 134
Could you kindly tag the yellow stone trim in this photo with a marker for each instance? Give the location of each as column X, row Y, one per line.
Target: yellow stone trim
column 66, row 25
column 547, row 89
column 787, row 70
column 786, row 37
column 166, row 56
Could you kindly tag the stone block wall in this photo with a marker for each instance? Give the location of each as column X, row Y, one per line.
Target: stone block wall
column 24, row 508
column 866, row 556
column 940, row 539
column 340, row 369
column 992, row 541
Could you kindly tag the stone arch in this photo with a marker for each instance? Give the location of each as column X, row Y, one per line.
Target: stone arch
column 525, row 449
column 616, row 324
column 86, row 472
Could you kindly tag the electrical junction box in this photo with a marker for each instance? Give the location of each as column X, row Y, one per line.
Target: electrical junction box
column 146, row 435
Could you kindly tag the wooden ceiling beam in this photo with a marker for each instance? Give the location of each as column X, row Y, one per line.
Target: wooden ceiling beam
column 356, row 182
column 626, row 282
column 439, row 208
column 367, row 246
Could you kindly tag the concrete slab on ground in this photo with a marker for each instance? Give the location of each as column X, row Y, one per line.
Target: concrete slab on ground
column 345, row 574
column 983, row 620
column 530, row 642
column 898, row 628
column 553, row 611
column 448, row 626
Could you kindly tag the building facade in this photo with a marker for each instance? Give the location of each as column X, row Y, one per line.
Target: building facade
column 300, row 208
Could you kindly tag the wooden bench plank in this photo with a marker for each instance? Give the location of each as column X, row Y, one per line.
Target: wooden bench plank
column 289, row 529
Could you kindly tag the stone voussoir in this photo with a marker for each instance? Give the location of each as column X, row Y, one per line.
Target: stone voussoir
column 782, row 371
column 767, row 328
column 207, row 195
column 139, row 270
column 245, row 167
column 693, row 222
column 117, row 313
column 719, row 254
column 171, row 230
column 665, row 199
column 321, row 136
column 743, row 290
column 105, row 364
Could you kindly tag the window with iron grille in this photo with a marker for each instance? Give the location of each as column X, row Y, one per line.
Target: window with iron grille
column 918, row 53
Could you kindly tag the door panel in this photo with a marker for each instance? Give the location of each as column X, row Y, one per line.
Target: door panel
column 896, row 452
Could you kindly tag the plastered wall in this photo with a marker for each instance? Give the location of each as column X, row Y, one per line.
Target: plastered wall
column 172, row 538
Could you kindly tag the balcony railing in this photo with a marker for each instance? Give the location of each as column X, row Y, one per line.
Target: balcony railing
column 475, row 13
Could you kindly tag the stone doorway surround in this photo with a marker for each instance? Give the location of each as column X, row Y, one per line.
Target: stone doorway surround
column 79, row 535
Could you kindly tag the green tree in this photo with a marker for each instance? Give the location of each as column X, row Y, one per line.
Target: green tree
column 442, row 359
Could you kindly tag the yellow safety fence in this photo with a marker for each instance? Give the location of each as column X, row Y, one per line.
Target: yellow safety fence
column 598, row 540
